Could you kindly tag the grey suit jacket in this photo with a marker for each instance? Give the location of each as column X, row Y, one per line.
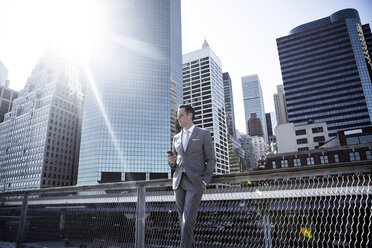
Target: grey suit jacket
column 199, row 159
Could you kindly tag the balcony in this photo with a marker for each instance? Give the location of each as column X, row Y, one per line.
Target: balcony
column 315, row 206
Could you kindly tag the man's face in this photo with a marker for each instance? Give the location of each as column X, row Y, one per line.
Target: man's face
column 183, row 118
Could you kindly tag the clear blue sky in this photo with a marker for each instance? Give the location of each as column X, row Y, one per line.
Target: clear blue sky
column 241, row 32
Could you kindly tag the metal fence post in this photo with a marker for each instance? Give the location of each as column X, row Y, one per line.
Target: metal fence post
column 22, row 222
column 267, row 229
column 140, row 217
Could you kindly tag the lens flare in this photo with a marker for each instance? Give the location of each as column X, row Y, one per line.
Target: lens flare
column 103, row 111
column 258, row 192
column 306, row 232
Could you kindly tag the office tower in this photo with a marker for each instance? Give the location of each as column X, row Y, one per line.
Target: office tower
column 255, row 126
column 327, row 69
column 40, row 137
column 133, row 93
column 280, row 106
column 368, row 37
column 203, row 88
column 253, row 100
column 7, row 97
column 229, row 104
column 250, row 153
column 236, row 155
column 3, row 75
column 259, row 148
column 269, row 125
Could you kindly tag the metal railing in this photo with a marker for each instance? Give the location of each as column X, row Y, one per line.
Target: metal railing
column 315, row 206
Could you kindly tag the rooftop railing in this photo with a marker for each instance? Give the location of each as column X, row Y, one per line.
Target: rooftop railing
column 316, row 206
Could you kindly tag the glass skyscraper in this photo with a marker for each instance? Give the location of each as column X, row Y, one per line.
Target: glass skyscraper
column 229, row 104
column 253, row 100
column 134, row 89
column 326, row 69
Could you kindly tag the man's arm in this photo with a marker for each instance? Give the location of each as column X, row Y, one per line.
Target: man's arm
column 209, row 157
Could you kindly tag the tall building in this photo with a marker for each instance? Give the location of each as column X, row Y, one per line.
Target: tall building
column 327, row 70
column 269, row 125
column 229, row 104
column 203, row 88
column 368, row 38
column 280, row 106
column 255, row 126
column 236, row 152
column 237, row 155
column 40, row 137
column 7, row 97
column 253, row 100
column 259, row 147
column 133, row 92
column 250, row 153
column 3, row 75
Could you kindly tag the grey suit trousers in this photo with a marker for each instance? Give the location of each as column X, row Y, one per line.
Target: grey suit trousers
column 188, row 198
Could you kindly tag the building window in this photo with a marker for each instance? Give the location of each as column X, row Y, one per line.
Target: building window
column 365, row 139
column 296, row 162
column 317, row 129
column 303, row 149
column 337, row 159
column 319, row 139
column 284, row 163
column 354, row 156
column 324, row 159
column 273, row 163
column 310, row 161
column 301, row 141
column 352, row 140
column 359, row 140
column 301, row 132
column 369, row 154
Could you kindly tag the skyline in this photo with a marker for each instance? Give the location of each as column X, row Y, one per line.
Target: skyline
column 26, row 27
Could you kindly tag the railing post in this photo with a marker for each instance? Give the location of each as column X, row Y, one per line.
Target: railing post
column 140, row 217
column 22, row 222
column 267, row 229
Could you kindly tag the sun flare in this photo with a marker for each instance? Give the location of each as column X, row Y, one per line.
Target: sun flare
column 69, row 26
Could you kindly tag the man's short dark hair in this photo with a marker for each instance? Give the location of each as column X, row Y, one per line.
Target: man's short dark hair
column 188, row 109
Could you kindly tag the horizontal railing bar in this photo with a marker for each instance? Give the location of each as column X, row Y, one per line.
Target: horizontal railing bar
column 210, row 196
column 293, row 172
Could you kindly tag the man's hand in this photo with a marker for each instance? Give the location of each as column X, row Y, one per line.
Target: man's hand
column 204, row 184
column 172, row 159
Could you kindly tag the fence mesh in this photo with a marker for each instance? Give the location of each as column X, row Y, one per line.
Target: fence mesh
column 313, row 211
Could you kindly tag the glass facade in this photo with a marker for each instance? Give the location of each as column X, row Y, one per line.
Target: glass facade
column 326, row 72
column 133, row 92
column 253, row 101
column 229, row 104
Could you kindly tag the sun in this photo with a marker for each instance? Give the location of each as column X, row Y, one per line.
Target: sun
column 69, row 26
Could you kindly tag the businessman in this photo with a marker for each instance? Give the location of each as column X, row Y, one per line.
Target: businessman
column 194, row 161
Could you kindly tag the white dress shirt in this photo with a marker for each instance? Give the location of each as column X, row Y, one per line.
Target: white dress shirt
column 184, row 136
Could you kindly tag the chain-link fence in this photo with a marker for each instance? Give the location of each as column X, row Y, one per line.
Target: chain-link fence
column 321, row 206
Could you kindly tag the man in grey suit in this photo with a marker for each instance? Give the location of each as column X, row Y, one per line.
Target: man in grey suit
column 194, row 161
